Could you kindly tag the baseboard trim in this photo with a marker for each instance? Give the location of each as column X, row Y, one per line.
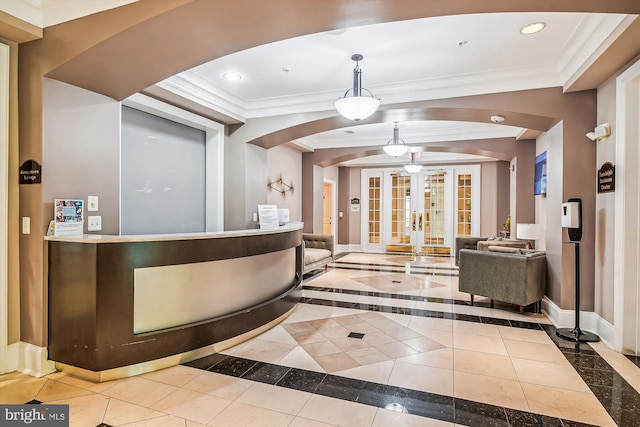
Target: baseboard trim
column 589, row 321
column 348, row 248
column 30, row 359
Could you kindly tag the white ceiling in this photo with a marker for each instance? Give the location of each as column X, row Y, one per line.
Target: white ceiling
column 403, row 61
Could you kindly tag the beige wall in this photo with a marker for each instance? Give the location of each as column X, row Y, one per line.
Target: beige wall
column 286, row 162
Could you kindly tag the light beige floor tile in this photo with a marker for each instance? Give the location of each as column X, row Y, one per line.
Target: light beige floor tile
column 321, row 348
column 335, row 332
column 403, row 333
column 85, row 384
column 521, row 334
column 362, row 327
column 263, row 351
column 376, row 338
column 385, row 325
column 219, row 385
column 442, row 358
column 119, row 412
column 386, row 418
column 431, row 323
column 396, row 349
column 535, row 351
column 299, row 358
column 308, row 337
column 191, row 405
column 337, row 412
column 242, row 414
column 88, row 410
column 484, row 364
column 424, row 378
column 491, row 390
column 306, row 422
column 164, row 421
column 336, row 362
column 347, row 321
column 376, row 372
column 278, row 334
column 476, row 329
column 423, row 344
column 175, row 375
column 568, row 404
column 485, row 344
column 367, row 356
column 618, row 361
column 321, row 324
column 275, row 398
column 20, row 389
column 298, row 327
column 350, row 344
column 443, row 337
column 54, row 390
column 401, row 319
column 140, row 391
column 549, row 374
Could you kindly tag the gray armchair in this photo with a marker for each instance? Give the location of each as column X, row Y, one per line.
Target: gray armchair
column 504, row 274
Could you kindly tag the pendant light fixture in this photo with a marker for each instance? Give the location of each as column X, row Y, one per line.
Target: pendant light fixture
column 396, row 147
column 355, row 105
column 412, row 166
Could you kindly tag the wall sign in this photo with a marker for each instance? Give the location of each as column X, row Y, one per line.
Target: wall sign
column 607, row 178
column 355, row 205
column 30, row 172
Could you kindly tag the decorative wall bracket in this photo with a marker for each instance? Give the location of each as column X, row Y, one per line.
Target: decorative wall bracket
column 280, row 186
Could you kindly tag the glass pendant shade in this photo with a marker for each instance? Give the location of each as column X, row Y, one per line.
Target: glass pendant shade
column 354, row 105
column 396, row 147
column 412, row 166
column 357, row 107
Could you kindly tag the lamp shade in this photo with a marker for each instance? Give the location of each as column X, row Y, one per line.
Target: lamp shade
column 412, row 166
column 529, row 231
column 396, row 146
column 357, row 107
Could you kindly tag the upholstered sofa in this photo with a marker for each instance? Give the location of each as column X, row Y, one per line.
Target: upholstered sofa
column 482, row 243
column 317, row 250
column 511, row 275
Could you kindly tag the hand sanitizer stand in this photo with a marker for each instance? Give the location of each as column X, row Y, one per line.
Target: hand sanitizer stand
column 572, row 220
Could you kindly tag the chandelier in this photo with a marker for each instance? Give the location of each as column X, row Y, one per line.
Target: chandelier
column 396, row 147
column 354, row 105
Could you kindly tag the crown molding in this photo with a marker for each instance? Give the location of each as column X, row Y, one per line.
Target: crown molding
column 586, row 46
column 192, row 85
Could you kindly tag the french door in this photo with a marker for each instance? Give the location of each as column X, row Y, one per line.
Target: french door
column 419, row 213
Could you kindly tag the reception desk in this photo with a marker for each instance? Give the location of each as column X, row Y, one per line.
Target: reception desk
column 122, row 305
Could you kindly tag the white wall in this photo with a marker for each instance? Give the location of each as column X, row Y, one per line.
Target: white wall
column 286, row 162
column 605, row 208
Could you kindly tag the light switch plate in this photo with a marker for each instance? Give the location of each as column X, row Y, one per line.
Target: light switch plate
column 94, row 223
column 92, row 203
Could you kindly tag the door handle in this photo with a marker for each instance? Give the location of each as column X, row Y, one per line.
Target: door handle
column 413, row 221
column 420, row 221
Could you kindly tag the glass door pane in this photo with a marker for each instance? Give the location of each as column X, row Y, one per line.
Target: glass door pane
column 401, row 218
column 464, row 205
column 373, row 236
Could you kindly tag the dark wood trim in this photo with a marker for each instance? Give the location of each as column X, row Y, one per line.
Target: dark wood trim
column 91, row 298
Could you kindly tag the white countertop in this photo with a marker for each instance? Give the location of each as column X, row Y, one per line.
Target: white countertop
column 98, row 238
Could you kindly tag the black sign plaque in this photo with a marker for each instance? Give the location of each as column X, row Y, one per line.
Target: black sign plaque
column 607, row 178
column 30, row 172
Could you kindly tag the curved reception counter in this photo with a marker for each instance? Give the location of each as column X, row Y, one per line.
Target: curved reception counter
column 125, row 305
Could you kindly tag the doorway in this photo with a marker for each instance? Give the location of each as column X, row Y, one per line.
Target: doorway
column 419, row 213
column 328, row 203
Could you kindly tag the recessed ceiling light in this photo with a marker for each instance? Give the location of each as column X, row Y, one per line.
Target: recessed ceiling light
column 533, row 28
column 232, row 76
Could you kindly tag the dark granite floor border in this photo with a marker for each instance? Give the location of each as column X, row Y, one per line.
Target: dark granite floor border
column 481, row 303
column 423, row 313
column 401, row 266
column 389, row 269
column 420, row 403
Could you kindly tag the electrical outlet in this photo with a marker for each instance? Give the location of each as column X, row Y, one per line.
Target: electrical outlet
column 94, row 223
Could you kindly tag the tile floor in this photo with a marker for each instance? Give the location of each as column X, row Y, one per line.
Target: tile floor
column 377, row 340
